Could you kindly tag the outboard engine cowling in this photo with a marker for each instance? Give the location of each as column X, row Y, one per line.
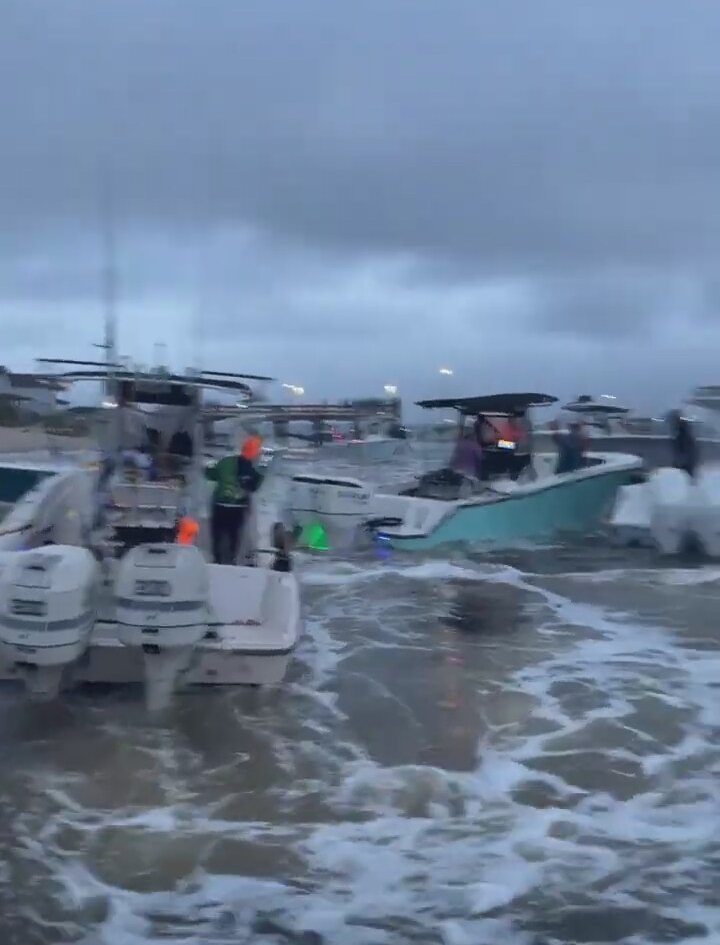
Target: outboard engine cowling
column 670, row 492
column 340, row 503
column 48, row 606
column 161, row 607
column 705, row 510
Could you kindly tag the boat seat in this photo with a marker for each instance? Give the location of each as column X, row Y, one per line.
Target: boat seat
column 505, row 486
column 447, row 485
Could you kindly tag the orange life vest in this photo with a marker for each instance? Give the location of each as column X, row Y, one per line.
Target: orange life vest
column 187, row 531
column 507, row 435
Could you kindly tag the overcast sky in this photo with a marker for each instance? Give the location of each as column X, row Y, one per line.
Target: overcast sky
column 346, row 195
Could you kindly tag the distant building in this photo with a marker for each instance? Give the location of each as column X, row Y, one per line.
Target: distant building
column 29, row 392
column 389, row 407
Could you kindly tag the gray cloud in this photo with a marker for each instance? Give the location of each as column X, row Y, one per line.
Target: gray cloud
column 426, row 181
column 612, row 302
column 571, row 132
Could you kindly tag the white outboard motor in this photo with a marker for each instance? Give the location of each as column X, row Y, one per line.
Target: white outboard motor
column 705, row 510
column 161, row 606
column 340, row 504
column 631, row 514
column 670, row 491
column 48, row 606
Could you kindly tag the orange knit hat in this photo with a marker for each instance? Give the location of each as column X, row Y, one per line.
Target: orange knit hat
column 252, row 448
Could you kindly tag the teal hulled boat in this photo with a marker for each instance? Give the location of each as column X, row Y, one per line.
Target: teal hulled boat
column 517, row 498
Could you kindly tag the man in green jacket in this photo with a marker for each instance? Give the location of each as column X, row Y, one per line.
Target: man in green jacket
column 235, row 478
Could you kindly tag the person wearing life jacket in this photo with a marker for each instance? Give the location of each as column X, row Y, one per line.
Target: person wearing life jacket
column 467, row 456
column 236, row 479
column 485, row 433
column 506, row 433
column 519, row 431
column 498, row 436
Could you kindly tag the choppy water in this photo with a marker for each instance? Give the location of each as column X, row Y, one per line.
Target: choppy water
column 516, row 749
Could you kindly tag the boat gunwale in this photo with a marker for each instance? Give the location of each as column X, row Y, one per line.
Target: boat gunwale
column 621, row 462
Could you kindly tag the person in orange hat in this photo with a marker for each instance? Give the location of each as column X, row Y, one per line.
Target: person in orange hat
column 235, row 478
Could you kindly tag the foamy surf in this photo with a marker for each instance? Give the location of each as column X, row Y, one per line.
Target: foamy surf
column 466, row 752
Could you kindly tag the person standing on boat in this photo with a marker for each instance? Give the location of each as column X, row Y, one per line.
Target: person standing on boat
column 685, row 452
column 520, row 432
column 103, row 493
column 467, row 456
column 236, row 479
column 282, row 544
column 485, row 434
column 570, row 447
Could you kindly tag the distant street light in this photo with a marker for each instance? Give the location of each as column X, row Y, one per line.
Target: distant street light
column 446, row 370
column 390, row 389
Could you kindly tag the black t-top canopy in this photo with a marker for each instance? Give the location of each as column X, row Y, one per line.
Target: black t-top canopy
column 490, row 403
column 159, row 388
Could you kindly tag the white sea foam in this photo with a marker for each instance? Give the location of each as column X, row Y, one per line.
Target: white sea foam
column 605, row 773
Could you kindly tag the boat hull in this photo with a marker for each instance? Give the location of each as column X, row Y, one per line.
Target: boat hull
column 108, row 662
column 654, row 451
column 254, row 635
column 17, row 479
column 568, row 504
column 364, row 451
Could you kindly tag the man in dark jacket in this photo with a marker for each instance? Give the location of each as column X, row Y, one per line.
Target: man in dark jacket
column 570, row 447
column 685, row 452
column 236, row 479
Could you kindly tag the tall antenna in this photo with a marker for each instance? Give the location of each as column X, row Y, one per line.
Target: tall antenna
column 109, row 280
column 109, row 299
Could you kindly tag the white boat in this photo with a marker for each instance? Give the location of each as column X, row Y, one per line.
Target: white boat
column 341, row 504
column 630, row 517
column 612, row 428
column 705, row 510
column 162, row 614
column 669, row 492
column 21, row 473
column 374, row 448
column 444, row 507
column 706, row 396
column 671, row 512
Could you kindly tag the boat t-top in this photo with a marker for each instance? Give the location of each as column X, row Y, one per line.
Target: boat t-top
column 604, row 406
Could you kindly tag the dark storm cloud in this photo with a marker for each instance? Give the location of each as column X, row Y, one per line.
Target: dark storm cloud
column 614, row 302
column 517, row 134
column 509, row 186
